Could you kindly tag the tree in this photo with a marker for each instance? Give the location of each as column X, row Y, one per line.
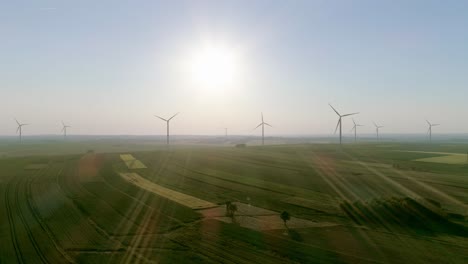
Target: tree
column 285, row 217
column 233, row 209
column 228, row 208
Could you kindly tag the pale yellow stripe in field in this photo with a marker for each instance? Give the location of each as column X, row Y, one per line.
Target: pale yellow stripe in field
column 450, row 158
column 126, row 157
column 178, row 197
column 135, row 164
column 131, row 162
column 432, row 152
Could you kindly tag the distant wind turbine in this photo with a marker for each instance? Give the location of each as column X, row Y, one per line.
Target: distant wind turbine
column 225, row 132
column 355, row 129
column 167, row 124
column 377, row 129
column 263, row 129
column 64, row 130
column 339, row 120
column 20, row 129
column 430, row 129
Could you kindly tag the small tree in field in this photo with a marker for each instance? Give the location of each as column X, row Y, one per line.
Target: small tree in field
column 233, row 210
column 285, row 217
column 228, row 208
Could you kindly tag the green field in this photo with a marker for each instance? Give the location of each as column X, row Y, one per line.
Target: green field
column 73, row 206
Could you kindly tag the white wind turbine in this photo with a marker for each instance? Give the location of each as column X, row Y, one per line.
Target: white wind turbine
column 355, row 129
column 64, row 130
column 377, row 129
column 167, row 124
column 339, row 120
column 430, row 130
column 263, row 129
column 20, row 129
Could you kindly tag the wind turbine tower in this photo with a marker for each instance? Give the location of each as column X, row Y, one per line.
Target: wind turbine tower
column 20, row 129
column 64, row 130
column 167, row 124
column 430, row 130
column 339, row 120
column 377, row 129
column 263, row 123
column 355, row 130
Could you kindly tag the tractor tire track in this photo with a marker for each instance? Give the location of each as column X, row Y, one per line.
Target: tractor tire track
column 37, row 216
column 26, row 225
column 12, row 226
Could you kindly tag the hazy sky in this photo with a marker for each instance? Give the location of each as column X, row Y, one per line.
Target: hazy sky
column 106, row 67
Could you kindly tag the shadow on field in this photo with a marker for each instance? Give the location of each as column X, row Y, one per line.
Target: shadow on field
column 419, row 215
column 294, row 235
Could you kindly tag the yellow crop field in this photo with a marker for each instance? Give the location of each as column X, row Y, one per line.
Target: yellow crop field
column 135, row 164
column 178, row 197
column 449, row 159
column 131, row 162
column 126, row 157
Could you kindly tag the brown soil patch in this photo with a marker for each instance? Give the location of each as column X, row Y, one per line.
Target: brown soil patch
column 257, row 218
column 88, row 167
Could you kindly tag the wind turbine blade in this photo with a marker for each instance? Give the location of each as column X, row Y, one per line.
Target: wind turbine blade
column 161, row 118
column 375, row 124
column 268, row 124
column 262, row 117
column 172, row 116
column 354, row 127
column 334, row 109
column 429, row 123
column 17, row 122
column 350, row 114
column 337, row 124
column 258, row 126
column 18, row 129
column 354, row 122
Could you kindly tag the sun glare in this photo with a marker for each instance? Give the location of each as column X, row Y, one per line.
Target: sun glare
column 214, row 68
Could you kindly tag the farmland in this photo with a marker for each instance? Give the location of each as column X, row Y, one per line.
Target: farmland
column 84, row 206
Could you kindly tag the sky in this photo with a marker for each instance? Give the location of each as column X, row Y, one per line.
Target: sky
column 107, row 67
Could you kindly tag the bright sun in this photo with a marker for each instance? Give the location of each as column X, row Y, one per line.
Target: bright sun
column 214, row 67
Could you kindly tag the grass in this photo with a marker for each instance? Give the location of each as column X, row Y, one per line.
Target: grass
column 84, row 211
column 404, row 212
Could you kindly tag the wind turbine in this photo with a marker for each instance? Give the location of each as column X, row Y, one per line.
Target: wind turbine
column 377, row 129
column 430, row 129
column 20, row 129
column 339, row 120
column 355, row 129
column 64, row 130
column 263, row 129
column 225, row 132
column 167, row 123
